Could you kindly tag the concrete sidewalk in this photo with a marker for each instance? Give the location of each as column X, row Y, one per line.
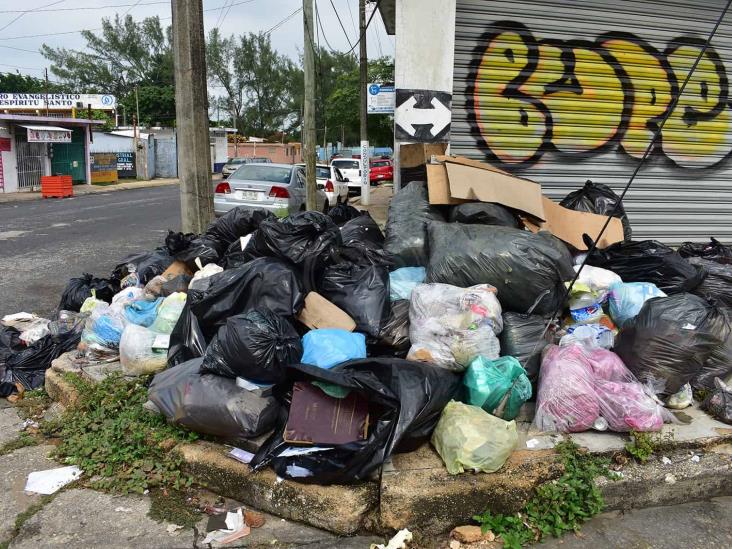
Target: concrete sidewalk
column 378, row 204
column 81, row 190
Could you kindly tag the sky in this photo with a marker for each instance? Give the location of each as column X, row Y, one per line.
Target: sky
column 19, row 40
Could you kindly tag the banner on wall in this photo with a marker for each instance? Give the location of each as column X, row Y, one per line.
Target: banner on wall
column 48, row 134
column 56, row 101
column 4, row 147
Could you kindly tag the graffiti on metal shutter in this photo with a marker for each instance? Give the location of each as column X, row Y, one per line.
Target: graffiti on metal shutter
column 579, row 98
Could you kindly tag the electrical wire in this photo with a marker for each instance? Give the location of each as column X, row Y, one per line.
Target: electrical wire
column 338, row 16
column 350, row 13
column 283, row 21
column 363, row 34
column 220, row 18
column 649, row 148
column 84, row 8
column 22, row 13
column 322, row 30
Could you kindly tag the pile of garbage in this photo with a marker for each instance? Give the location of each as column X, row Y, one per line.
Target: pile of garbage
column 346, row 344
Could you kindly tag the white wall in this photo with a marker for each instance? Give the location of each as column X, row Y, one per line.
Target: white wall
column 10, row 171
column 424, row 50
column 105, row 142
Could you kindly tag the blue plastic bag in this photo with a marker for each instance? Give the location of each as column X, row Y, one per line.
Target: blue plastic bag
column 626, row 300
column 402, row 282
column 329, row 347
column 142, row 312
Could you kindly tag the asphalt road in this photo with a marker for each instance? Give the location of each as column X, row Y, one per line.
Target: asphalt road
column 43, row 243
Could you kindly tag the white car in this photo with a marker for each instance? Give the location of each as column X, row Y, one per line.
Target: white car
column 331, row 181
column 351, row 170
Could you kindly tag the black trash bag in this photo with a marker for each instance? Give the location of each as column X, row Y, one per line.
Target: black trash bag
column 523, row 338
column 301, row 237
column 527, row 269
column 719, row 402
column 393, row 339
column 717, row 282
column 719, row 363
column 598, row 199
column 79, row 288
column 342, row 213
column 405, row 402
column 211, row 404
column 236, row 223
column 205, row 248
column 29, row 365
column 406, row 227
column 648, row 261
column 257, row 345
column 483, row 213
column 148, row 264
column 362, row 229
column 360, row 290
column 713, row 251
column 178, row 242
column 236, row 257
column 178, row 284
column 671, row 339
column 361, row 253
column 265, row 283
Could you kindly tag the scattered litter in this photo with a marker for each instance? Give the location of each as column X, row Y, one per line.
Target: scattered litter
column 666, row 461
column 670, row 479
column 241, row 455
column 51, row 481
column 235, row 529
column 123, row 510
column 696, row 458
column 173, row 528
column 279, row 479
column 254, row 519
column 532, row 443
column 399, row 541
column 289, row 452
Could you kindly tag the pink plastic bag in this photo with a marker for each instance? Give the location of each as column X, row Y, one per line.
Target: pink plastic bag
column 566, row 401
column 607, row 365
column 627, row 407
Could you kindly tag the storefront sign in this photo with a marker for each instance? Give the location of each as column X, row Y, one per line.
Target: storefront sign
column 48, row 136
column 56, row 101
column 126, row 164
column 103, row 167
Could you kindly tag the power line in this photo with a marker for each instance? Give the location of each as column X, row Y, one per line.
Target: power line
column 84, row 8
column 350, row 13
column 128, row 10
column 341, row 24
column 24, row 68
column 378, row 40
column 368, row 23
column 20, row 49
column 283, row 21
column 219, row 19
column 322, row 30
column 22, row 13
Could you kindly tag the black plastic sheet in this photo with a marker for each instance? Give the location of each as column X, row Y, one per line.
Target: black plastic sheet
column 257, row 345
column 205, row 248
column 719, row 363
column 266, row 283
column 648, row 261
column 598, row 199
column 342, row 213
column 525, row 268
column 523, row 338
column 483, row 213
column 148, row 265
column 717, row 283
column 719, row 402
column 671, row 339
column 393, row 340
column 405, row 402
column 237, row 222
column 406, row 227
column 714, row 250
column 211, row 404
column 78, row 289
column 362, row 229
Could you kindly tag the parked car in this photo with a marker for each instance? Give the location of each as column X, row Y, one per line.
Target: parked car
column 279, row 188
column 331, row 181
column 381, row 170
column 351, row 170
column 234, row 163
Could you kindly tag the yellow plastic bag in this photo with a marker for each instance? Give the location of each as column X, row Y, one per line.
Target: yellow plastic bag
column 469, row 438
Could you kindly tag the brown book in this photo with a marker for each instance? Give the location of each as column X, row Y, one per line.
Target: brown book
column 317, row 418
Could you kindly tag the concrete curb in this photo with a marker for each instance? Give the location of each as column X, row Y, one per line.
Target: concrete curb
column 83, row 190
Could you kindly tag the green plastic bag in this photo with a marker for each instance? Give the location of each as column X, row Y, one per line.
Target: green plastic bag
column 498, row 386
column 468, row 438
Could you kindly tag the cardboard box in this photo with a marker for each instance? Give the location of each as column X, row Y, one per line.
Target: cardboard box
column 418, row 154
column 321, row 313
column 438, row 187
column 569, row 226
column 177, row 268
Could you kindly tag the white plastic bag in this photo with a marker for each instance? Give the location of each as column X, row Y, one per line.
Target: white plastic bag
column 597, row 279
column 35, row 331
column 136, row 351
column 450, row 326
column 169, row 312
column 197, row 282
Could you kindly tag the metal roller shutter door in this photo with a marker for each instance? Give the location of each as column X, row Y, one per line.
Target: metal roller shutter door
column 563, row 91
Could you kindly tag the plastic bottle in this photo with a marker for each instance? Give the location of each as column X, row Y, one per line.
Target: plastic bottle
column 132, row 279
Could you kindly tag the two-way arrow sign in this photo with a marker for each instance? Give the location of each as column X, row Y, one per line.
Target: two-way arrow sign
column 407, row 115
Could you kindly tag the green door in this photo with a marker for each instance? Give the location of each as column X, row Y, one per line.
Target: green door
column 69, row 158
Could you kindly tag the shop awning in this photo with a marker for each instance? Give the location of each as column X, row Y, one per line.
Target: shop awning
column 48, row 134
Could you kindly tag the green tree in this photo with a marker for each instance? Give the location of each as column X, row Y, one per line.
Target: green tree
column 343, row 103
column 125, row 55
column 20, row 83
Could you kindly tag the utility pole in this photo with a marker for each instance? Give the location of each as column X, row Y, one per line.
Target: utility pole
column 191, row 111
column 309, row 138
column 46, row 91
column 363, row 82
column 137, row 105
